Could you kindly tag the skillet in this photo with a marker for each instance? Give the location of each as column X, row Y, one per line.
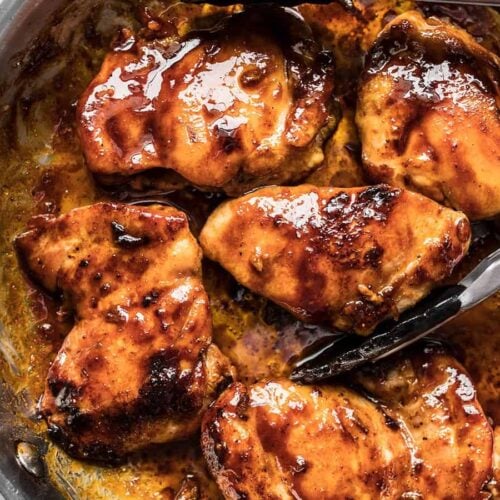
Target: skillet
column 19, row 23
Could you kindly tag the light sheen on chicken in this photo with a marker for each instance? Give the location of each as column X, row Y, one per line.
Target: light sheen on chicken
column 348, row 257
column 138, row 367
column 417, row 432
column 243, row 104
column 429, row 114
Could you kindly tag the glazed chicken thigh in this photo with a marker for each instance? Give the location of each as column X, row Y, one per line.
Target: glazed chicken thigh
column 226, row 108
column 138, row 367
column 417, row 433
column 429, row 116
column 349, row 257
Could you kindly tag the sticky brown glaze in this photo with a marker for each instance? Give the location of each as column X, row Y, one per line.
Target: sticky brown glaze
column 278, row 440
column 189, row 489
column 226, row 108
column 138, row 367
column 349, row 257
column 428, row 114
column 433, row 400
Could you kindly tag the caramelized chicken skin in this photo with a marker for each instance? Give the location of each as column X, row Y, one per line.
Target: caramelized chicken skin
column 483, row 23
column 227, row 108
column 434, row 400
column 138, row 367
column 350, row 257
column 419, row 433
column 429, row 116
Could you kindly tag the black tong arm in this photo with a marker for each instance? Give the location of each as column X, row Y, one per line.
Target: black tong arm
column 349, row 352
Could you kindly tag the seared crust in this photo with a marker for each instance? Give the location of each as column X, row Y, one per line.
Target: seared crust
column 138, row 367
column 419, row 434
column 226, row 108
column 428, row 114
column 350, row 257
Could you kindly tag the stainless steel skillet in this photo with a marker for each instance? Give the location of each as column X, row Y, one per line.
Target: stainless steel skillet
column 20, row 21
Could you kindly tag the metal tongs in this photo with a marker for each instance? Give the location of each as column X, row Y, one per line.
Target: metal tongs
column 346, row 352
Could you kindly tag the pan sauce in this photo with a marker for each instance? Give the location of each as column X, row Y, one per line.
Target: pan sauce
column 43, row 172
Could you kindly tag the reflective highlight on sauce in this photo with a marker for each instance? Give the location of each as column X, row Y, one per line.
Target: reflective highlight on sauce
column 220, row 106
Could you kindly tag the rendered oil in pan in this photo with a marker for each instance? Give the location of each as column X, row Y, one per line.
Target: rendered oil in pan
column 42, row 171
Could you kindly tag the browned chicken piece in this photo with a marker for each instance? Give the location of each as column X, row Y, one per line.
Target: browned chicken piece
column 428, row 114
column 349, row 257
column 227, row 108
column 418, row 433
column 349, row 28
column 138, row 367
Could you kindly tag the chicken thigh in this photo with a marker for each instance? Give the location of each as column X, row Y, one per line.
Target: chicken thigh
column 418, row 432
column 138, row 367
column 428, row 114
column 227, row 108
column 349, row 257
